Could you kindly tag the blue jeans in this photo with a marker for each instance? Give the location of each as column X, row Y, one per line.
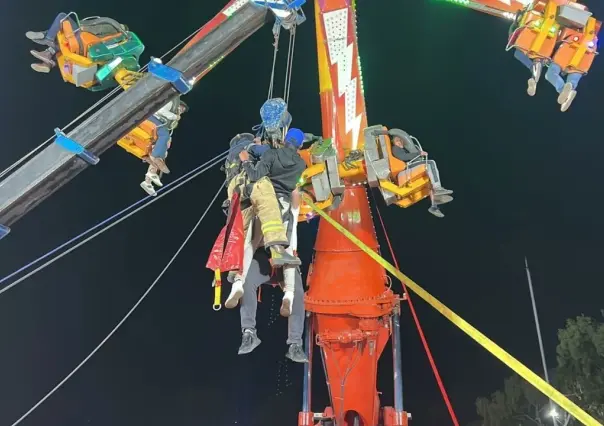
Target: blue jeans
column 523, row 58
column 160, row 150
column 554, row 77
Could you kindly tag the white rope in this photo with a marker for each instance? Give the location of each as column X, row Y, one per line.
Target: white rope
column 99, row 232
column 85, row 113
column 116, row 328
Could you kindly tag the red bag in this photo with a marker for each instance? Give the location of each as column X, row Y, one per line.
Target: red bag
column 227, row 252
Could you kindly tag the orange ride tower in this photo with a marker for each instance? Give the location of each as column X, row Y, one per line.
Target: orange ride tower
column 351, row 312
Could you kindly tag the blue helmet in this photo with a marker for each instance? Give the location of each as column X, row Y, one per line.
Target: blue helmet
column 294, row 137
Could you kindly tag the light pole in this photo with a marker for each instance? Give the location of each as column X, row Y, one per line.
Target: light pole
column 552, row 413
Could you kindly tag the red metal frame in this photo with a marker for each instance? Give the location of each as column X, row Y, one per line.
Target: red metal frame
column 348, row 294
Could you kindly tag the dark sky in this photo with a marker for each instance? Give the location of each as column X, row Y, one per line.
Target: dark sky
column 526, row 180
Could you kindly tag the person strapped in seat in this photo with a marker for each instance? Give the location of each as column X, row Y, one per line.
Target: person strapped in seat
column 100, row 28
column 406, row 148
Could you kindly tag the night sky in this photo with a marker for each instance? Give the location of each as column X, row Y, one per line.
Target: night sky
column 526, row 181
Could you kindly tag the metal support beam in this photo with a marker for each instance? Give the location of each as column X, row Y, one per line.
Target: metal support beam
column 397, row 362
column 54, row 166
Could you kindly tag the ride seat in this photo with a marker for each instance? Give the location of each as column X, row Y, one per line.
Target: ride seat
column 139, row 142
column 578, row 48
column 538, row 31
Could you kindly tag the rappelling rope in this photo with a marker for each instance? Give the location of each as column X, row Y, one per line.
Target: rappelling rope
column 162, row 192
column 463, row 325
column 290, row 61
column 439, row 381
column 119, row 324
column 88, row 111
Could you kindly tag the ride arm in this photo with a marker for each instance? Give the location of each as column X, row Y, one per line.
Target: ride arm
column 55, row 166
column 496, row 7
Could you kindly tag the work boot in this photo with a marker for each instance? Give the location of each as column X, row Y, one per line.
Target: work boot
column 532, row 87
column 249, row 341
column 296, row 353
column 280, row 257
column 160, row 164
column 235, row 294
column 436, row 211
column 286, row 304
column 442, row 199
column 43, row 68
column 442, row 191
column 154, row 177
column 45, row 56
column 148, row 188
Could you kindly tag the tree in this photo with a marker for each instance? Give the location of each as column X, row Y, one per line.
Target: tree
column 579, row 375
column 580, row 372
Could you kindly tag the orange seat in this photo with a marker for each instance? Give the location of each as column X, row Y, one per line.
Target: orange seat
column 139, row 142
column 537, row 34
column 578, row 49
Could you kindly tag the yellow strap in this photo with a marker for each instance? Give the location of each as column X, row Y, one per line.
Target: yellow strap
column 589, row 31
column 217, row 290
column 466, row 327
column 549, row 19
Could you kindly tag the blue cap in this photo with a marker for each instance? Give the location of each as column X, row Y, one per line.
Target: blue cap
column 294, row 137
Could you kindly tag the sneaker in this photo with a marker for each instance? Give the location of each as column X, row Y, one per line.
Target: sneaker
column 160, row 164
column 235, row 294
column 296, row 353
column 280, row 257
column 148, row 188
column 532, row 87
column 442, row 191
column 565, row 93
column 442, row 199
column 153, row 177
column 43, row 68
column 436, row 211
column 35, row 35
column 286, row 304
column 249, row 341
column 571, row 97
column 44, row 56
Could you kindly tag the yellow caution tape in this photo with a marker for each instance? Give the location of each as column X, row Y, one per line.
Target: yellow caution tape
column 466, row 327
column 217, row 290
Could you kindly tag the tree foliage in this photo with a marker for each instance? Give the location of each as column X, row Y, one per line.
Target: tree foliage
column 579, row 375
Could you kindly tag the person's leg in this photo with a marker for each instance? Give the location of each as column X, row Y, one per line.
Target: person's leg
column 153, row 176
column 569, row 92
column 553, row 76
column 434, row 175
column 249, row 248
column 295, row 324
column 267, row 210
column 160, row 149
column 50, row 34
column 290, row 214
column 249, row 306
column 534, row 66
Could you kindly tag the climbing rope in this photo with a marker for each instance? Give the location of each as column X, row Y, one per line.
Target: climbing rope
column 290, row 61
column 88, row 111
column 464, row 326
column 439, row 381
column 162, row 192
column 136, row 305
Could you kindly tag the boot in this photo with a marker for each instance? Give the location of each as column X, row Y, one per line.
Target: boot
column 148, row 188
column 45, row 56
column 42, row 68
column 436, row 211
column 249, row 341
column 286, row 304
column 160, row 164
column 235, row 294
column 280, row 257
column 296, row 353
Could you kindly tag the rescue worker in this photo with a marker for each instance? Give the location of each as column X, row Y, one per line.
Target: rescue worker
column 99, row 26
column 259, row 273
column 165, row 120
column 404, row 149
